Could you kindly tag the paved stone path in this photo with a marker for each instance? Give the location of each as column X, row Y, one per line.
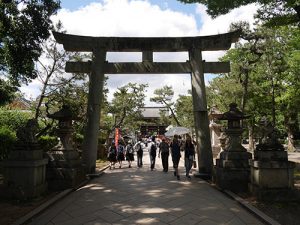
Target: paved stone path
column 140, row 196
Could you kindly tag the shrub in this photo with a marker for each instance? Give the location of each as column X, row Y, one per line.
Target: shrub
column 47, row 142
column 7, row 141
column 14, row 119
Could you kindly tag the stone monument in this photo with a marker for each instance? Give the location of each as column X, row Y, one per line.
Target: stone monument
column 215, row 130
column 232, row 166
column 25, row 169
column 65, row 169
column 272, row 175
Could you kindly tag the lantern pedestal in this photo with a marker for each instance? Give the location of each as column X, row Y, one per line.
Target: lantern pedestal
column 232, row 166
column 272, row 176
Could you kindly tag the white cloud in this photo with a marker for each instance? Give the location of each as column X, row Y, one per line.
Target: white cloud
column 127, row 18
column 142, row 19
column 221, row 23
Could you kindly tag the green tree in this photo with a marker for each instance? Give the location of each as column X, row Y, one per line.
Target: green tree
column 184, row 110
column 271, row 12
column 126, row 106
column 7, row 92
column 164, row 96
column 272, row 80
column 51, row 70
column 24, row 26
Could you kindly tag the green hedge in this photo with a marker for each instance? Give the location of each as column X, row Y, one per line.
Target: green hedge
column 14, row 119
column 47, row 142
column 7, row 141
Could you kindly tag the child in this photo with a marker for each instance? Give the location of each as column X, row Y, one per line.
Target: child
column 112, row 155
column 129, row 153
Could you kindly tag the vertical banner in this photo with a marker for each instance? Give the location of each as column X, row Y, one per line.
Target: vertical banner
column 116, row 137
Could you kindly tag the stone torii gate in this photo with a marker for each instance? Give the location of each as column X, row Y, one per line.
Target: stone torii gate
column 98, row 67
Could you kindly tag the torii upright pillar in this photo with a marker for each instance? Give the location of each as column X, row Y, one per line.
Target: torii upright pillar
column 96, row 82
column 205, row 159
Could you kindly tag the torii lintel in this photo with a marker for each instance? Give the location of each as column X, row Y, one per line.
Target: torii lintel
column 155, row 44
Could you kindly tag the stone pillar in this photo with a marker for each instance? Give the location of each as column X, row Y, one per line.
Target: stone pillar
column 205, row 160
column 215, row 132
column 272, row 175
column 232, row 165
column 96, row 83
column 25, row 169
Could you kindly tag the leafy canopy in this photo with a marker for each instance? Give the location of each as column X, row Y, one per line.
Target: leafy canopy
column 271, row 12
column 24, row 26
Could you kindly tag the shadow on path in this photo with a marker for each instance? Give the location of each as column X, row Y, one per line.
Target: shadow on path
column 141, row 196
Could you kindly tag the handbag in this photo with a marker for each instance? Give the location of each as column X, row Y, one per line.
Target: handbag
column 194, row 164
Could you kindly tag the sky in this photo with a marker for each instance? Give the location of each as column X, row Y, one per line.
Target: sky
column 145, row 18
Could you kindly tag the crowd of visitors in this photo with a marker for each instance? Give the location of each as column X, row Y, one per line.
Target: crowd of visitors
column 163, row 147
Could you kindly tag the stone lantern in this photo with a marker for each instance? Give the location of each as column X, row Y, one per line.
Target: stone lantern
column 232, row 165
column 272, row 175
column 65, row 169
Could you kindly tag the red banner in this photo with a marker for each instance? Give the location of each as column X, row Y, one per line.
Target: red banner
column 116, row 137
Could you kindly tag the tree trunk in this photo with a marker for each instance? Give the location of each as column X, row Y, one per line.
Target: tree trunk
column 245, row 89
column 273, row 103
column 251, row 137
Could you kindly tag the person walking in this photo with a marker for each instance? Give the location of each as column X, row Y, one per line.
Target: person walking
column 120, row 154
column 112, row 155
column 139, row 152
column 129, row 153
column 175, row 153
column 152, row 152
column 164, row 149
column 189, row 155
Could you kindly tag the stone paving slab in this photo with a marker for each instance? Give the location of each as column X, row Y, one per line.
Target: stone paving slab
column 141, row 196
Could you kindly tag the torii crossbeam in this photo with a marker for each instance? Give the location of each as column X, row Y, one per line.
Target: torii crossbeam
column 98, row 67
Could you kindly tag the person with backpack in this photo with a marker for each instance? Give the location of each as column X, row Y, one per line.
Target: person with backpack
column 129, row 153
column 152, row 152
column 139, row 152
column 175, row 152
column 164, row 153
column 120, row 154
column 189, row 155
column 112, row 155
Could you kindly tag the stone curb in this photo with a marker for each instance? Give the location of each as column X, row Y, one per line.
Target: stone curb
column 56, row 198
column 245, row 204
column 262, row 216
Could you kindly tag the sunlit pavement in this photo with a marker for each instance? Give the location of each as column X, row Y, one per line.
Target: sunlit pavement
column 141, row 196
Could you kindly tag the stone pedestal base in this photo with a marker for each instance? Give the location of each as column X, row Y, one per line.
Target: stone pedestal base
column 232, row 171
column 24, row 179
column 271, row 180
column 64, row 178
column 275, row 194
column 64, row 170
column 235, row 180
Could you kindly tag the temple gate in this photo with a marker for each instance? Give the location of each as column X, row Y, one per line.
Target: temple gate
column 98, row 67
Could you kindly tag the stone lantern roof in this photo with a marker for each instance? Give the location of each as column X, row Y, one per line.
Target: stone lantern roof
column 234, row 113
column 233, row 116
column 63, row 114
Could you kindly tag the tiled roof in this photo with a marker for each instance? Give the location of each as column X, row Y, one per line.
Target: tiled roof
column 153, row 112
